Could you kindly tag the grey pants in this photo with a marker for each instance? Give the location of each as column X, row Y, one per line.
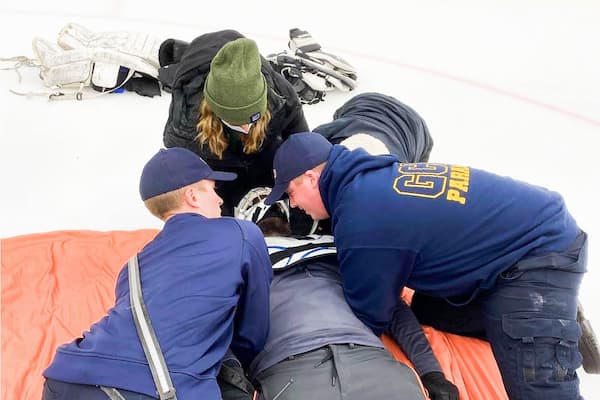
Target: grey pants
column 344, row 371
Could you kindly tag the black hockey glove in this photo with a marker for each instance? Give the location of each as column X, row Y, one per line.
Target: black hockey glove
column 439, row 387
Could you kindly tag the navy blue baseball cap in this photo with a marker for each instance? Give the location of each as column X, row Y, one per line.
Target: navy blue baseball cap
column 296, row 155
column 173, row 168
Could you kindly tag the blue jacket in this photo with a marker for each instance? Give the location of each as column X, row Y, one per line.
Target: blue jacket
column 206, row 285
column 444, row 230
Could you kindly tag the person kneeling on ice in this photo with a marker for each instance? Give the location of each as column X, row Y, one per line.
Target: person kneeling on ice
column 228, row 106
column 461, row 235
column 317, row 348
column 205, row 283
column 381, row 124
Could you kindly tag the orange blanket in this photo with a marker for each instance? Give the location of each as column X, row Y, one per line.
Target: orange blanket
column 55, row 285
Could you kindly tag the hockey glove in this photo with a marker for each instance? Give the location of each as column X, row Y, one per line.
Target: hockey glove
column 307, row 50
column 303, row 41
column 439, row 387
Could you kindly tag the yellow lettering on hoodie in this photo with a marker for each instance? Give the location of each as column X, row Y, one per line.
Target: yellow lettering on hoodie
column 459, row 184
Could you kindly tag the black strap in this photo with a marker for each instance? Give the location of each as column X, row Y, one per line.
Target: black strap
column 235, row 378
column 280, row 255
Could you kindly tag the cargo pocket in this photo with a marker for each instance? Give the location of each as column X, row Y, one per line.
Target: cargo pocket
column 50, row 392
column 546, row 349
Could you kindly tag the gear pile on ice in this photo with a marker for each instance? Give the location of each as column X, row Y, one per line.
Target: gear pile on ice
column 311, row 71
column 104, row 61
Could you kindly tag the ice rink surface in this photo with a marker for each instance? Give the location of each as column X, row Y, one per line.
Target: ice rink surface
column 508, row 86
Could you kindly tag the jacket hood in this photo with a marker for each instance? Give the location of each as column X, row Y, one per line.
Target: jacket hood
column 342, row 167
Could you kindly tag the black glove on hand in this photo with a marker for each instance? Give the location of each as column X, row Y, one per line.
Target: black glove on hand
column 439, row 387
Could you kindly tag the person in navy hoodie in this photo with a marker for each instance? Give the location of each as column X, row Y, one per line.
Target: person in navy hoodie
column 205, row 282
column 504, row 255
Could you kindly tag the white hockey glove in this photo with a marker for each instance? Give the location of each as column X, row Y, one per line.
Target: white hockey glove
column 303, row 41
column 311, row 71
column 302, row 44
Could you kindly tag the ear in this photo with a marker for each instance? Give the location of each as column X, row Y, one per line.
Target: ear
column 190, row 197
column 313, row 177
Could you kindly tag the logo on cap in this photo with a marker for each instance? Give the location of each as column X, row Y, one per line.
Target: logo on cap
column 274, row 173
column 255, row 117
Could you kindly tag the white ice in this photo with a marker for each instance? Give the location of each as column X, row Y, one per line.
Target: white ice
column 506, row 85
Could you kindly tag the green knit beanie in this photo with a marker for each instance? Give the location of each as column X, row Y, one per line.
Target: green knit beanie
column 235, row 87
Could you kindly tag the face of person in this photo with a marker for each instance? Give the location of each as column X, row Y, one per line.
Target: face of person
column 245, row 128
column 303, row 192
column 209, row 202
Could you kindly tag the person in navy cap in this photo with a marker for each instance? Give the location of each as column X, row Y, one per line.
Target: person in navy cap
column 503, row 256
column 205, row 281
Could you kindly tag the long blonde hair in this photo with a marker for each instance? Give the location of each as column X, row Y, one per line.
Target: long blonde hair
column 210, row 132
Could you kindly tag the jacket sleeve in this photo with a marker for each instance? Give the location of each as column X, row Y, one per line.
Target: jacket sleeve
column 294, row 120
column 251, row 324
column 408, row 333
column 297, row 122
column 372, row 279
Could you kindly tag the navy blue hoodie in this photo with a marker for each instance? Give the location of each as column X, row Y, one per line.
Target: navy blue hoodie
column 444, row 230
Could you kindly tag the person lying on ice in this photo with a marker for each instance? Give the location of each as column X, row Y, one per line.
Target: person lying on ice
column 381, row 124
column 317, row 348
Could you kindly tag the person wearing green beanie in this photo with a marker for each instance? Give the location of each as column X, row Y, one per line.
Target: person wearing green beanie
column 231, row 108
column 235, row 88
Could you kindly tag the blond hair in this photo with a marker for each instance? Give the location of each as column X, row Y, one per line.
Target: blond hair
column 163, row 204
column 210, row 132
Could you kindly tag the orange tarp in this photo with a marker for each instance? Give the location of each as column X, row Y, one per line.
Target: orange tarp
column 55, row 285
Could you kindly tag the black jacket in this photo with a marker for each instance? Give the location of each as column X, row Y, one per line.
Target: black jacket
column 184, row 75
column 397, row 125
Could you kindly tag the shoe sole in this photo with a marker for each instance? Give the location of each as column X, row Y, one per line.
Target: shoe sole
column 588, row 344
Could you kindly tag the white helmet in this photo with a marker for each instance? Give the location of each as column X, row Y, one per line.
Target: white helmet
column 252, row 206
